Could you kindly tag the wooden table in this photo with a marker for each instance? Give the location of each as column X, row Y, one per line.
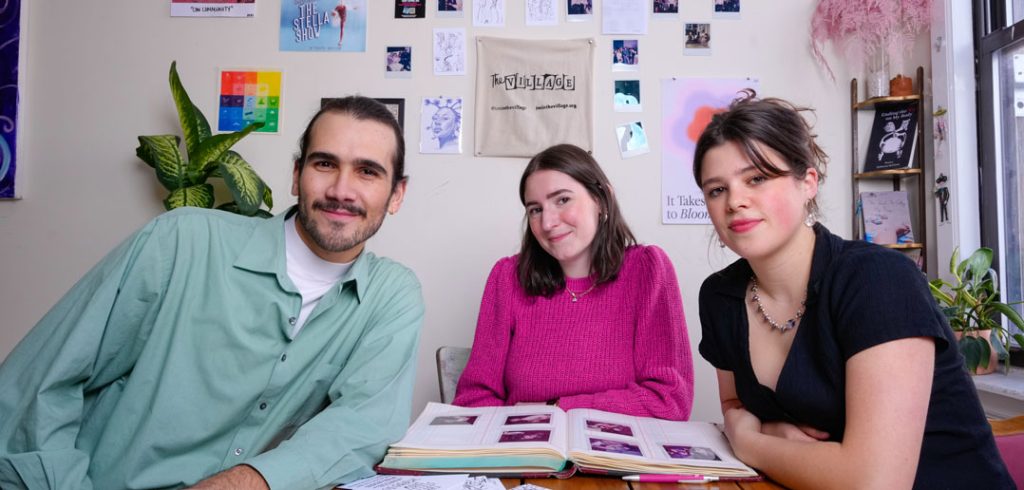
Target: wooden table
column 613, row 483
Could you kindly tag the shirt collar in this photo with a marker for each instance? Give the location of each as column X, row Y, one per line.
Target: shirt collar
column 264, row 253
column 736, row 276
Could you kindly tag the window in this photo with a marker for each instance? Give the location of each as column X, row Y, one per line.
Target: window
column 999, row 40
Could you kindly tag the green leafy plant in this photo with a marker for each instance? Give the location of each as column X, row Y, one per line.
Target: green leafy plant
column 972, row 305
column 208, row 156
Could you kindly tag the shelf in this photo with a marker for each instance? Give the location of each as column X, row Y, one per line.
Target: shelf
column 887, row 173
column 903, row 246
column 872, row 102
column 913, row 180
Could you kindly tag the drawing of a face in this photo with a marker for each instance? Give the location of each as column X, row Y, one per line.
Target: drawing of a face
column 444, row 125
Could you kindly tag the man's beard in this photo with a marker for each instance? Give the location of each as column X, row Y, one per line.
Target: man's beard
column 335, row 240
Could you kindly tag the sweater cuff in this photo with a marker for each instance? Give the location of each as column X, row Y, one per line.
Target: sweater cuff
column 567, row 403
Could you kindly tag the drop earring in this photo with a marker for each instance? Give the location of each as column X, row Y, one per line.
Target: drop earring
column 810, row 220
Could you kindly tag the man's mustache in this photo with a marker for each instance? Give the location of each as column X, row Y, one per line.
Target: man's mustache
column 339, row 206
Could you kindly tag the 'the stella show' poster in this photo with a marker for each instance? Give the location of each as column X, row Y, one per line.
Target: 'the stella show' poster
column 323, row 25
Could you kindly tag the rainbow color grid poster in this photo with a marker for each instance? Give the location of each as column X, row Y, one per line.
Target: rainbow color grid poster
column 248, row 96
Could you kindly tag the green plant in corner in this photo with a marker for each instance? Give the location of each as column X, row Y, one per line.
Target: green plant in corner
column 208, row 156
column 972, row 306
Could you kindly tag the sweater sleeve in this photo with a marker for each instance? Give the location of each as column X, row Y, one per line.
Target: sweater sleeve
column 483, row 381
column 661, row 348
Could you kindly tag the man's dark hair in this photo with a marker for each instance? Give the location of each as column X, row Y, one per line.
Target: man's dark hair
column 539, row 273
column 774, row 123
column 363, row 109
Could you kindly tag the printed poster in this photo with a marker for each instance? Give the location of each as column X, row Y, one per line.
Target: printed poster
column 532, row 94
column 687, row 107
column 248, row 96
column 410, row 9
column 213, row 8
column 323, row 25
column 10, row 26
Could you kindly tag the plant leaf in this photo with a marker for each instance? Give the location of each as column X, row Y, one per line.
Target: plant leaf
column 1020, row 339
column 1009, row 313
column 232, row 207
column 193, row 123
column 204, row 159
column 243, row 182
column 979, row 262
column 953, row 259
column 162, row 153
column 199, row 196
column 971, row 351
column 268, row 199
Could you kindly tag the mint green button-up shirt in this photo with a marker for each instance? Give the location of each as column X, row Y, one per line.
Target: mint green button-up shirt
column 172, row 360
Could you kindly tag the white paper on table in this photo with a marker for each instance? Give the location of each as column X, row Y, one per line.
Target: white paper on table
column 392, row 482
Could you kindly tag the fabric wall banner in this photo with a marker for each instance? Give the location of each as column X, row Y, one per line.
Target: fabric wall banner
column 531, row 94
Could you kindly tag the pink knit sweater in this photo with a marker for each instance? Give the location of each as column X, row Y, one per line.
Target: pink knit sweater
column 621, row 348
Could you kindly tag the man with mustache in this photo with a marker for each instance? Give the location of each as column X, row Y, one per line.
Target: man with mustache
column 218, row 351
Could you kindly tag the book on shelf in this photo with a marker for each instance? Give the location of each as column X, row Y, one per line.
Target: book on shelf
column 893, row 139
column 542, row 440
column 886, row 217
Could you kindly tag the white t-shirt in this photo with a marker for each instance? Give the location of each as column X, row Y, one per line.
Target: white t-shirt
column 312, row 275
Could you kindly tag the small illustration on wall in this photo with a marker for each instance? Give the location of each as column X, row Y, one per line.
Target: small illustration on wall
column 697, row 40
column 450, row 51
column 323, row 25
column 624, row 17
column 450, row 8
column 248, row 96
column 489, row 13
column 579, row 10
column 632, row 139
column 441, row 125
column 410, row 9
column 627, row 96
column 213, row 8
column 10, row 25
column 541, row 12
column 399, row 62
column 625, row 55
column 727, row 9
column 666, row 8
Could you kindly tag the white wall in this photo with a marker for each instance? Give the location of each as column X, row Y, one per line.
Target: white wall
column 96, row 77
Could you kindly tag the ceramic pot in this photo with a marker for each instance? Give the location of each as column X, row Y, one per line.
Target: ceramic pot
column 993, row 360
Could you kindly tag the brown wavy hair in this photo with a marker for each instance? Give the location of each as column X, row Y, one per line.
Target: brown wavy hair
column 539, row 273
column 775, row 123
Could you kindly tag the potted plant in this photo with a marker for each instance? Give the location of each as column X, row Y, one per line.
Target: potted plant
column 870, row 32
column 973, row 309
column 208, row 156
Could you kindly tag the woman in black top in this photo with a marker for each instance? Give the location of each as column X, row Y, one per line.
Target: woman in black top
column 835, row 367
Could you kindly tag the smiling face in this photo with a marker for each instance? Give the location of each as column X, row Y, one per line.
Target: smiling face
column 344, row 185
column 755, row 215
column 563, row 217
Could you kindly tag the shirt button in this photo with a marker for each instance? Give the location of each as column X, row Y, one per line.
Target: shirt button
column 292, row 321
column 239, row 451
column 263, row 406
column 283, row 357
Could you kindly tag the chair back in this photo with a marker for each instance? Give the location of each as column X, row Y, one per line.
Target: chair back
column 1010, row 441
column 450, row 363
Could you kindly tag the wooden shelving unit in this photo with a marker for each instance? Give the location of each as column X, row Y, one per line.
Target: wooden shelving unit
column 910, row 178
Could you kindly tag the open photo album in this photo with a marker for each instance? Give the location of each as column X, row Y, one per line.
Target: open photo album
column 541, row 440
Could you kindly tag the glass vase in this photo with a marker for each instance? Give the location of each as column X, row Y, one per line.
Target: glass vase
column 877, row 76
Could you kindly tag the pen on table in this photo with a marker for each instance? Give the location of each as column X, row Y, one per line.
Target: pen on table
column 671, row 478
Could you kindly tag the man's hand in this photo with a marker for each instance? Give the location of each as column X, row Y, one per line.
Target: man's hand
column 239, row 477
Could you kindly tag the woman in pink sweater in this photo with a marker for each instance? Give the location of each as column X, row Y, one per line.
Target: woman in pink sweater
column 583, row 317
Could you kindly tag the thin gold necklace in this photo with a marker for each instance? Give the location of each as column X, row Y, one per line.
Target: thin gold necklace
column 576, row 296
column 789, row 325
